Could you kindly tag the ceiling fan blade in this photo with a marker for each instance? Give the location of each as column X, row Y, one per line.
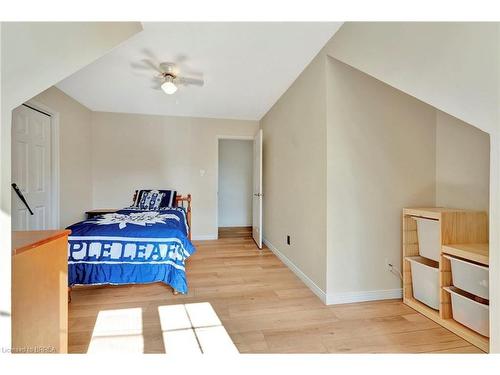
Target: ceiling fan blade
column 189, row 81
column 150, row 56
column 151, row 65
column 146, row 65
column 179, row 59
column 137, row 66
column 182, row 61
column 141, row 73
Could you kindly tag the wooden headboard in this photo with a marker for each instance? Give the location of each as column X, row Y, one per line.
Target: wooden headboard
column 185, row 202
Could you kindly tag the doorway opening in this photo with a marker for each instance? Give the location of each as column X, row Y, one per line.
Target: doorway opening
column 235, row 187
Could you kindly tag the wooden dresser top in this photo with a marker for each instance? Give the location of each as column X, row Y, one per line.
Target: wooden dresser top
column 25, row 240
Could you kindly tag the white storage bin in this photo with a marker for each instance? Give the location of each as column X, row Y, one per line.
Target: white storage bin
column 468, row 312
column 425, row 281
column 429, row 238
column 471, row 277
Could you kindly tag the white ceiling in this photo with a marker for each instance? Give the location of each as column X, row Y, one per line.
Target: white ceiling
column 246, row 68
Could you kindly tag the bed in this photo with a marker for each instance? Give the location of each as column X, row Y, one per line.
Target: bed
column 145, row 243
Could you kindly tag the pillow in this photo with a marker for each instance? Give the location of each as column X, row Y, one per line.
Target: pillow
column 150, row 200
column 168, row 199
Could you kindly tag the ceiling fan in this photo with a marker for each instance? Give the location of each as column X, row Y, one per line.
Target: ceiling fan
column 168, row 72
column 170, row 79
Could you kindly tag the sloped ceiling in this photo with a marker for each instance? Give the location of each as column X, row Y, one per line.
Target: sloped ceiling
column 37, row 55
column 453, row 66
column 246, row 68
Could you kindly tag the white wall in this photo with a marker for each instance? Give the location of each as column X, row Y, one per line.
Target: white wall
column 131, row 151
column 74, row 154
column 235, row 183
column 381, row 158
column 495, row 221
column 5, row 267
column 294, row 175
column 462, row 164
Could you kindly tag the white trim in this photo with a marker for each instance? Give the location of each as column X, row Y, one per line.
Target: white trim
column 203, row 237
column 335, row 298
column 54, row 160
column 247, row 225
column 236, row 137
column 363, row 296
column 220, row 137
column 301, row 275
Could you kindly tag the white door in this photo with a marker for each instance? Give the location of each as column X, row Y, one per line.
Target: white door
column 31, row 169
column 257, row 190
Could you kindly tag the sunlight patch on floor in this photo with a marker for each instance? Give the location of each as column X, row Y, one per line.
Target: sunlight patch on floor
column 118, row 331
column 186, row 329
column 215, row 340
column 194, row 328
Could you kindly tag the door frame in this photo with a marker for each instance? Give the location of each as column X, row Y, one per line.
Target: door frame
column 55, row 218
column 219, row 138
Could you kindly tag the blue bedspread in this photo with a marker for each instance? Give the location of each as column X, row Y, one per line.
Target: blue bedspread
column 130, row 247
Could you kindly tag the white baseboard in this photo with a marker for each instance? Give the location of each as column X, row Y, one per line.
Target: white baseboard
column 235, row 225
column 202, row 237
column 335, row 298
column 363, row 296
column 301, row 275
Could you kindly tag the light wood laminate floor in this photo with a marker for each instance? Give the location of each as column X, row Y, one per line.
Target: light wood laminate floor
column 248, row 299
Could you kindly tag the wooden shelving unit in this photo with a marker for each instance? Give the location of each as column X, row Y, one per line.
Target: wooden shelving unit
column 464, row 233
column 475, row 252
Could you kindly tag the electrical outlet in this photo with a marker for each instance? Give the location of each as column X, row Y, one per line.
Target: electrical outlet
column 288, row 239
column 393, row 268
column 388, row 265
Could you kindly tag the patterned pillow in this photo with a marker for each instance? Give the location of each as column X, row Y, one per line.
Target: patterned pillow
column 150, row 200
column 168, row 200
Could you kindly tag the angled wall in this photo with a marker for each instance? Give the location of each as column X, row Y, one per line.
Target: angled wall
column 294, row 178
column 462, row 164
column 381, row 158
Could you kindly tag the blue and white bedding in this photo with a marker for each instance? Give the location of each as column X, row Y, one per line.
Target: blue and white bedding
column 131, row 246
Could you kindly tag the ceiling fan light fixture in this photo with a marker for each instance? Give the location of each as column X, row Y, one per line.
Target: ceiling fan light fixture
column 169, row 86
